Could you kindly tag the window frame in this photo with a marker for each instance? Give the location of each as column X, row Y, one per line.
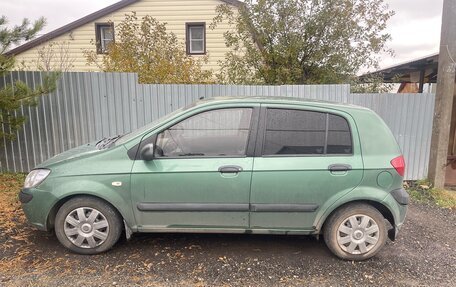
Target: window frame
column 98, row 43
column 189, row 25
column 250, row 146
column 259, row 148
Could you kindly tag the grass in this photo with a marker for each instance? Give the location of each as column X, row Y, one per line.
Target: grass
column 10, row 207
column 422, row 191
column 10, row 184
column 18, row 249
column 12, row 219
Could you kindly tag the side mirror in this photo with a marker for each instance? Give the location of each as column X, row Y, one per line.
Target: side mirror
column 147, row 152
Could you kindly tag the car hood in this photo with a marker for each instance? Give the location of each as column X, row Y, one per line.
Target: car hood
column 75, row 153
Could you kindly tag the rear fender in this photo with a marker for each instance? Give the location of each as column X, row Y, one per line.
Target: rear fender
column 360, row 194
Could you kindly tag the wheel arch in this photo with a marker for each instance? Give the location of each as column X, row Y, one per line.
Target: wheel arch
column 55, row 208
column 383, row 209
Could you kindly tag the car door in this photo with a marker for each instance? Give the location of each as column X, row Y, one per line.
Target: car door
column 306, row 158
column 201, row 174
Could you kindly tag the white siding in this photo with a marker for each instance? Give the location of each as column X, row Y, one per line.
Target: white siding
column 174, row 12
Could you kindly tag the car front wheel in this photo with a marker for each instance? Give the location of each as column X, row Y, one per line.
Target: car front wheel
column 355, row 232
column 87, row 225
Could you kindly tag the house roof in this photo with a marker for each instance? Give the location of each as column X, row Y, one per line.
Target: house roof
column 82, row 21
column 405, row 72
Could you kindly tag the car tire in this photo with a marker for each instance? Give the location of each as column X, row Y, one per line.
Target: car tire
column 87, row 225
column 355, row 232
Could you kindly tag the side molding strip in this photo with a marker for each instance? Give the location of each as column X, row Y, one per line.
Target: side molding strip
column 266, row 207
column 225, row 207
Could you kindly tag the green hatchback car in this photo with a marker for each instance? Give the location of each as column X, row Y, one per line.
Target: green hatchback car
column 230, row 165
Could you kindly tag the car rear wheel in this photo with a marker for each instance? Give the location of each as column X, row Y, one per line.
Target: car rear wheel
column 87, row 225
column 355, row 232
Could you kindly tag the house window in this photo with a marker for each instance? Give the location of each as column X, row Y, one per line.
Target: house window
column 104, row 35
column 196, row 38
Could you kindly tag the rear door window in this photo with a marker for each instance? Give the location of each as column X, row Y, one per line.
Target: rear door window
column 301, row 132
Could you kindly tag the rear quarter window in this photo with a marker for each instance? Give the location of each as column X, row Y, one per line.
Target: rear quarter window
column 339, row 136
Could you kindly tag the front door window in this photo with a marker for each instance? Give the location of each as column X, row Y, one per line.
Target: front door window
column 216, row 133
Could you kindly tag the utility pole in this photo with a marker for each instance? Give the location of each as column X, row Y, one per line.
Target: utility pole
column 444, row 95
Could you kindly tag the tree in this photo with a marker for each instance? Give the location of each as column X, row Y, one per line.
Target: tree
column 370, row 84
column 13, row 96
column 146, row 48
column 53, row 56
column 302, row 41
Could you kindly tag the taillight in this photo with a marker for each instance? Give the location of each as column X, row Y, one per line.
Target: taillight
column 399, row 164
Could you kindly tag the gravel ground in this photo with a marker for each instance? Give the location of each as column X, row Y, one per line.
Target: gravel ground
column 423, row 255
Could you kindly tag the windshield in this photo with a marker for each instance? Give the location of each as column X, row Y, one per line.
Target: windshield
column 125, row 138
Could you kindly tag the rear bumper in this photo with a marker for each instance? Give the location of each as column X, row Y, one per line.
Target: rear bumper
column 397, row 202
column 401, row 196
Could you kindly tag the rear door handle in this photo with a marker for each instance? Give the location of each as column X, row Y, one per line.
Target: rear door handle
column 230, row 169
column 339, row 167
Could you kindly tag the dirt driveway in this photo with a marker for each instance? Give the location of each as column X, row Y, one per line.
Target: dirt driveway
column 424, row 254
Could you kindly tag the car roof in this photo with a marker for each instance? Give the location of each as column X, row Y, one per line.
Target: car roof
column 279, row 100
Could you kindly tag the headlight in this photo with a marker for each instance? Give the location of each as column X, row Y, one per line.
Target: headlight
column 36, row 177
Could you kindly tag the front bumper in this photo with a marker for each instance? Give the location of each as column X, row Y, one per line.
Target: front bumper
column 37, row 205
column 25, row 197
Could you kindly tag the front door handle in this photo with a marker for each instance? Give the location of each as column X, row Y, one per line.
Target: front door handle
column 230, row 169
column 339, row 167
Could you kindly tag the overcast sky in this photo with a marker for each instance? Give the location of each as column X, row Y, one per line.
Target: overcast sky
column 415, row 28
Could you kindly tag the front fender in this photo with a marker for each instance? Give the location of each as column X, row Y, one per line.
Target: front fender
column 99, row 186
